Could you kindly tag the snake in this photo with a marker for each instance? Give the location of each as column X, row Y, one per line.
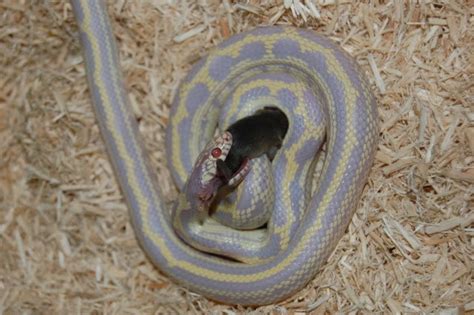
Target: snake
column 324, row 94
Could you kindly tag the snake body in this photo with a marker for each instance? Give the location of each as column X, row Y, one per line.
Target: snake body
column 316, row 84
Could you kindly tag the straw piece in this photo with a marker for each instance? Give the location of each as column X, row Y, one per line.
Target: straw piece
column 378, row 78
column 449, row 224
column 470, row 139
column 191, row 33
column 399, row 165
column 467, row 175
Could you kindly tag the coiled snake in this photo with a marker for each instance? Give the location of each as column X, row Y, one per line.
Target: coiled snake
column 316, row 85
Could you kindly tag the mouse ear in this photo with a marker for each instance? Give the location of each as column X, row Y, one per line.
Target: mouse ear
column 223, row 170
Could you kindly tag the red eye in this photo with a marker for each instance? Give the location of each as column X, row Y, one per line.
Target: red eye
column 216, row 152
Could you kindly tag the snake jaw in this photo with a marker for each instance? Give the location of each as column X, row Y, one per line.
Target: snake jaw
column 205, row 181
column 239, row 176
column 206, row 195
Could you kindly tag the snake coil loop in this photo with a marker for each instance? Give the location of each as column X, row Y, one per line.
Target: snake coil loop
column 317, row 85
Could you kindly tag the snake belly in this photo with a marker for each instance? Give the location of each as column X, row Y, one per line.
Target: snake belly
column 352, row 132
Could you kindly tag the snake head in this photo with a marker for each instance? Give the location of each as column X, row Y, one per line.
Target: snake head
column 205, row 179
column 210, row 173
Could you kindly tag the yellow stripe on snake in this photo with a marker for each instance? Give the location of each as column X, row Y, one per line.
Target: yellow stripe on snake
column 324, row 95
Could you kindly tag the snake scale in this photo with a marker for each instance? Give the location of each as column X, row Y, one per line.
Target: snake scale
column 324, row 95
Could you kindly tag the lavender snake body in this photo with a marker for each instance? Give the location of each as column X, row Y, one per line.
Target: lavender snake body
column 324, row 95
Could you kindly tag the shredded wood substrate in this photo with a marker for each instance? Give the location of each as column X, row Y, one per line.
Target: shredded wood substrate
column 66, row 243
